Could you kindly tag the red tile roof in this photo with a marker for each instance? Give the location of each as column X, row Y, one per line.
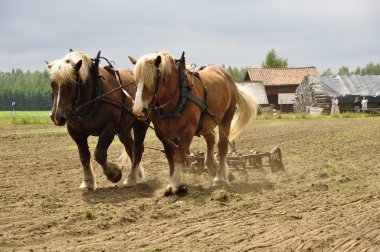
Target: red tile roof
column 279, row 76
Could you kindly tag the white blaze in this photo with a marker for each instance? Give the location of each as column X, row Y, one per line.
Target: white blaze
column 138, row 105
column 57, row 102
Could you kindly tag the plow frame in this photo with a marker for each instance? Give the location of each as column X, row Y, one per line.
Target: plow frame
column 195, row 163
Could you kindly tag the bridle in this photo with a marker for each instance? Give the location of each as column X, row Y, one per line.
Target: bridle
column 153, row 105
column 97, row 95
column 75, row 104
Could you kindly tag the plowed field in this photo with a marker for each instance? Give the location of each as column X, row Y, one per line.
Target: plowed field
column 328, row 198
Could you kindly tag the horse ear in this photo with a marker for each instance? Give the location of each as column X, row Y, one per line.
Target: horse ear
column 132, row 59
column 77, row 65
column 157, row 62
column 48, row 64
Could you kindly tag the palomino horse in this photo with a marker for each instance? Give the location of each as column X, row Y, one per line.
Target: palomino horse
column 182, row 104
column 91, row 101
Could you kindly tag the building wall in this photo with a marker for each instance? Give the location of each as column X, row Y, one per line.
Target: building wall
column 272, row 94
column 273, row 90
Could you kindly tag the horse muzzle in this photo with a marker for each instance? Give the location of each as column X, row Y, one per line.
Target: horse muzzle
column 59, row 119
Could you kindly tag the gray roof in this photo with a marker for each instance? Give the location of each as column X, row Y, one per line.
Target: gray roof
column 256, row 90
column 342, row 85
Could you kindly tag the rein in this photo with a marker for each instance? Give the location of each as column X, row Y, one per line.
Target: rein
column 103, row 95
column 97, row 94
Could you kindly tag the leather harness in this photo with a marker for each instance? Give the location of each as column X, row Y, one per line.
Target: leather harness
column 97, row 95
column 185, row 96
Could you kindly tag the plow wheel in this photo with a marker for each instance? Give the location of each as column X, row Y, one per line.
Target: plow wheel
column 275, row 160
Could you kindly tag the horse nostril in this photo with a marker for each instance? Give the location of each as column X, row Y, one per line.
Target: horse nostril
column 58, row 119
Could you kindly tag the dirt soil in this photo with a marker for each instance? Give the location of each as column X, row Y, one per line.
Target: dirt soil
column 328, row 198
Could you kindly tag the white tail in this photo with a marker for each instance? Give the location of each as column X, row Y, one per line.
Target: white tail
column 247, row 109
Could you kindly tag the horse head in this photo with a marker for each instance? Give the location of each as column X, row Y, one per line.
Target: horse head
column 67, row 75
column 149, row 71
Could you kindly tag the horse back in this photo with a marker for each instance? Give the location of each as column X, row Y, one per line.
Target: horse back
column 221, row 88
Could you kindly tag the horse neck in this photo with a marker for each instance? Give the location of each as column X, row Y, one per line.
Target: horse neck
column 168, row 90
column 86, row 91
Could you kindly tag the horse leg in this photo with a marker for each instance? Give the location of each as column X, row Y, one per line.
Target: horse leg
column 169, row 152
column 222, row 173
column 177, row 164
column 85, row 157
column 211, row 163
column 111, row 170
column 136, row 174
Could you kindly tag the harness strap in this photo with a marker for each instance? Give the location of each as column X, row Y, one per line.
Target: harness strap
column 185, row 95
column 203, row 105
column 114, row 102
column 197, row 101
column 96, row 89
column 97, row 92
column 116, row 73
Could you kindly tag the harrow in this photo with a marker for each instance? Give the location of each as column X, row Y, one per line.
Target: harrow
column 195, row 162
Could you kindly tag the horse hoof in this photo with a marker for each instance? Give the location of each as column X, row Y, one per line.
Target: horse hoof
column 129, row 183
column 168, row 192
column 114, row 178
column 181, row 191
column 85, row 186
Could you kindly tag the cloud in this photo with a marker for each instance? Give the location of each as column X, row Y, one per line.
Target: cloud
column 238, row 33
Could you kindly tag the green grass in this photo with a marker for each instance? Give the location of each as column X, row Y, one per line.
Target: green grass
column 42, row 117
column 25, row 117
column 307, row 116
column 87, row 214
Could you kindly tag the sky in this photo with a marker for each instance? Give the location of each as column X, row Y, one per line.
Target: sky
column 239, row 33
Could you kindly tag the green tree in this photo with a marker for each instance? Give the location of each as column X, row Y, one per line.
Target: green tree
column 273, row 61
column 237, row 73
column 327, row 72
column 30, row 90
column 371, row 69
column 358, row 71
column 344, row 71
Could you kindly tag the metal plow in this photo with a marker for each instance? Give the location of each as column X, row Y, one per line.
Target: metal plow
column 195, row 162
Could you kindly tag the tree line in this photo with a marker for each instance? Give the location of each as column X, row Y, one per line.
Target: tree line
column 28, row 90
column 31, row 90
column 369, row 69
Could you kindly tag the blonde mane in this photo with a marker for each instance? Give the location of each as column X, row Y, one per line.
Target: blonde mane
column 62, row 71
column 145, row 71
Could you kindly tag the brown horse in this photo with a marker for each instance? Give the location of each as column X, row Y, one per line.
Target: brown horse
column 168, row 91
column 90, row 100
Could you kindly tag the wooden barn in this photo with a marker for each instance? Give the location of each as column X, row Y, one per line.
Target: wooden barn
column 315, row 92
column 280, row 83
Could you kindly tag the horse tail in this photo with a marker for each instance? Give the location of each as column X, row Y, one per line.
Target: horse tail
column 247, row 109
